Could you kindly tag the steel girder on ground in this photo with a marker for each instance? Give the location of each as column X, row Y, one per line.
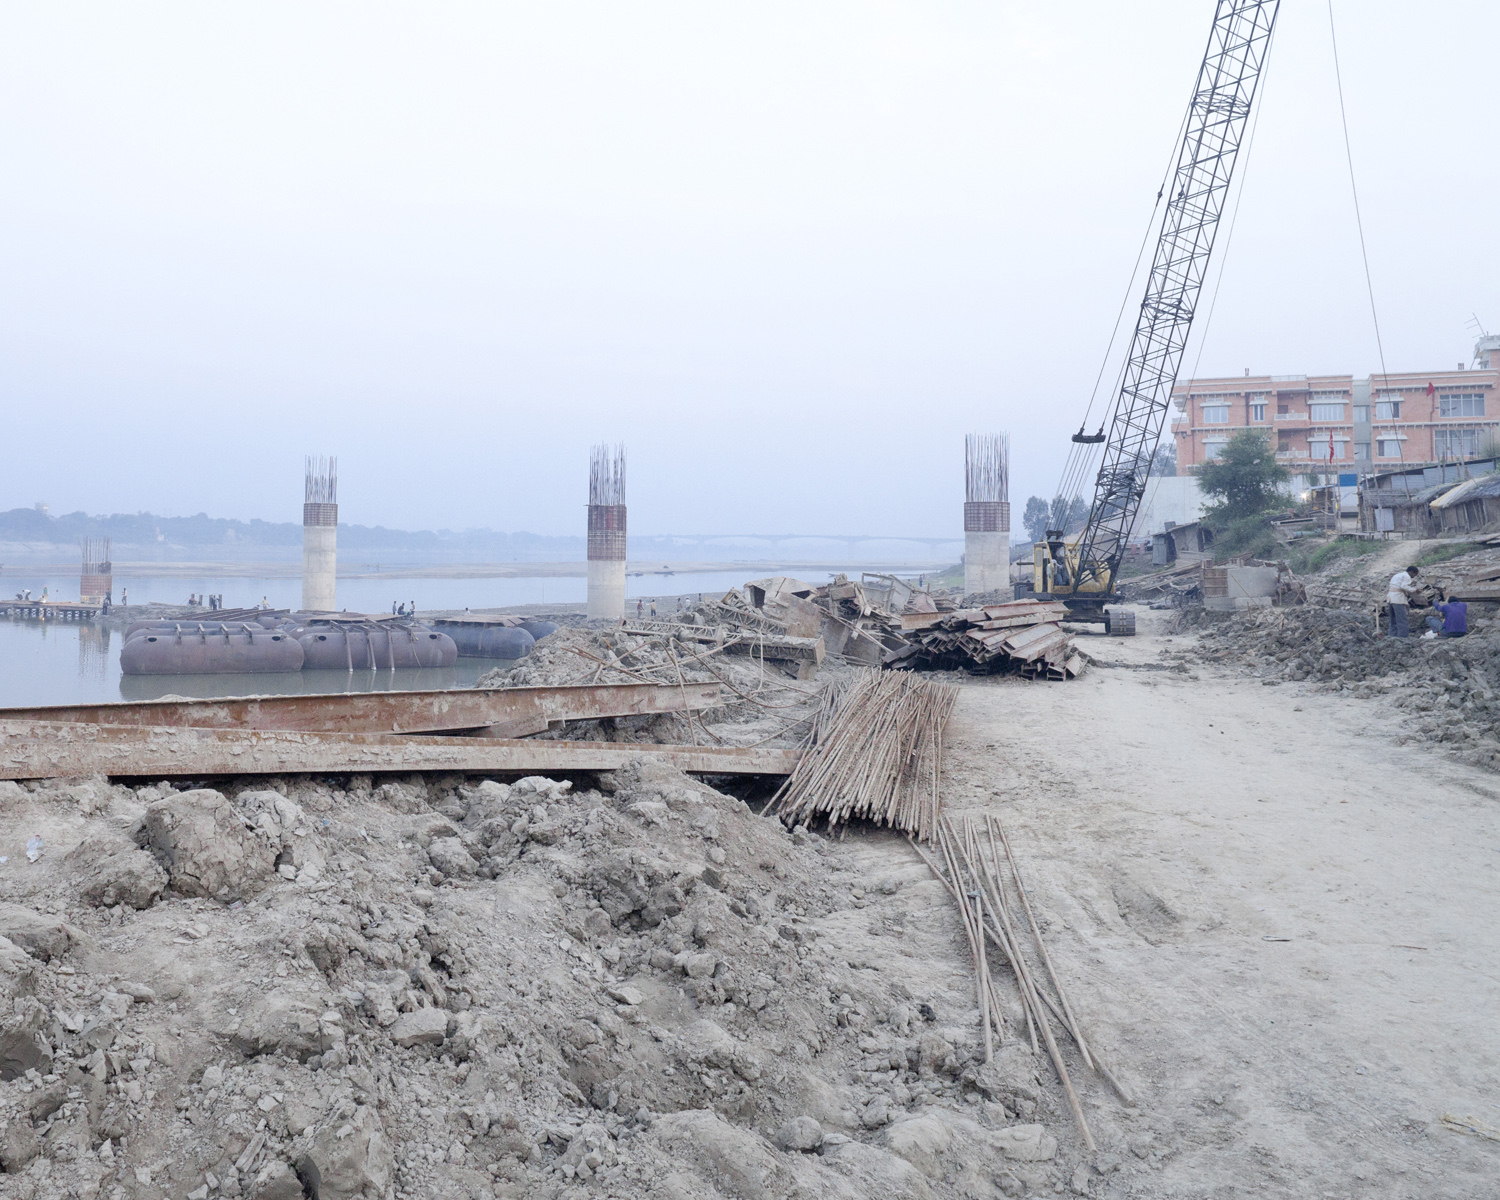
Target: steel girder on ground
column 38, row 750
column 495, row 712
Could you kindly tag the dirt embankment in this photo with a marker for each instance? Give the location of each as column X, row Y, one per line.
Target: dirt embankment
column 467, row 988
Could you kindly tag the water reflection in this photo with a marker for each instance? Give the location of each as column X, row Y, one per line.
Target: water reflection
column 93, row 654
column 50, row 662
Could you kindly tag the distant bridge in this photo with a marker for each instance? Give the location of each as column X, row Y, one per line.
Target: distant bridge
column 777, row 541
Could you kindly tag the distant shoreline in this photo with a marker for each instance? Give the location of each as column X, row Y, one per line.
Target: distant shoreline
column 497, row 570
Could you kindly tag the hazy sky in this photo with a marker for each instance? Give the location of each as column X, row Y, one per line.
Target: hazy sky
column 788, row 253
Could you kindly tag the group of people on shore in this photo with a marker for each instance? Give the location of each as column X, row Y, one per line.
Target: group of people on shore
column 215, row 603
column 1448, row 619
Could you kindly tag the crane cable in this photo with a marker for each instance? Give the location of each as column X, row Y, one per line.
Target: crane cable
column 1358, row 220
column 1081, row 455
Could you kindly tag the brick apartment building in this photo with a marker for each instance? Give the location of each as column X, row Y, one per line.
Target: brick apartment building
column 1319, row 422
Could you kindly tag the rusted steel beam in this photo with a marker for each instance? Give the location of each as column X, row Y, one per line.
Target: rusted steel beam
column 36, row 750
column 508, row 712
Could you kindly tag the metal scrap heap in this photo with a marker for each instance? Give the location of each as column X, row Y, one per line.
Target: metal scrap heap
column 883, row 621
column 1022, row 635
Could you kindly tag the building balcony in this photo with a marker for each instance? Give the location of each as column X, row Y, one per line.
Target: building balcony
column 1288, row 455
column 1290, row 417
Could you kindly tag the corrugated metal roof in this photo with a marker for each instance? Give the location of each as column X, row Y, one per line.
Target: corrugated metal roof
column 1470, row 489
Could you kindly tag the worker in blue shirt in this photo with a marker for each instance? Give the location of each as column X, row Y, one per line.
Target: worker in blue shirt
column 1455, row 618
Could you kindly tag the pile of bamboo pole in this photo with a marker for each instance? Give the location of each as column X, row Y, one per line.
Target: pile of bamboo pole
column 977, row 867
column 874, row 753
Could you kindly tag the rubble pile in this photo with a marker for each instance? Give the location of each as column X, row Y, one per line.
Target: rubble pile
column 767, row 705
column 466, row 988
column 883, row 621
column 1448, row 685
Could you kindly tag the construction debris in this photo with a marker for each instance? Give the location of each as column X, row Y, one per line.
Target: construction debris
column 450, row 987
column 969, row 864
column 886, row 621
column 1023, row 636
column 875, row 754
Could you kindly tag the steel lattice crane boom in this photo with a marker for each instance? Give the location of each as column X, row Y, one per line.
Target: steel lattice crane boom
column 1083, row 570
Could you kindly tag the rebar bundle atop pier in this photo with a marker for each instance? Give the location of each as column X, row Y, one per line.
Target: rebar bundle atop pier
column 322, row 480
column 986, row 468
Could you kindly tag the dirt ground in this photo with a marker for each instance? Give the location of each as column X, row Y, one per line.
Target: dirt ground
column 1280, row 923
column 1273, row 906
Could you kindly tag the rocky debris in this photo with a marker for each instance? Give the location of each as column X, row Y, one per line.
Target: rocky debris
column 286, row 1023
column 23, row 1044
column 111, row 870
column 1025, row 1143
column 350, row 1159
column 41, row 936
column 207, row 846
column 278, row 1180
column 639, row 988
column 800, row 1133
column 16, row 970
column 424, row 1027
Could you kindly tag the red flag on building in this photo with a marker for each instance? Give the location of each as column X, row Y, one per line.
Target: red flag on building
column 1331, row 454
column 1430, row 390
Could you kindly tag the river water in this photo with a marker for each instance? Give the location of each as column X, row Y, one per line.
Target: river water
column 73, row 663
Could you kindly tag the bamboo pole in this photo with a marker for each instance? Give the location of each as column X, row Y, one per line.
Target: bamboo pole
column 1033, row 1000
column 1066, row 1016
column 992, row 824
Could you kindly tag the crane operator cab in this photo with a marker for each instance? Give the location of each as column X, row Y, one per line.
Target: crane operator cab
column 1050, row 564
column 1055, row 576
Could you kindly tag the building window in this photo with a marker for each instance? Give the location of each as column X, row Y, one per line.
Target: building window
column 1461, row 404
column 1216, row 414
column 1455, row 443
column 1361, row 414
column 1361, row 451
column 1212, row 450
column 1318, row 447
column 1387, row 410
column 1258, row 410
column 1327, row 412
column 1388, row 447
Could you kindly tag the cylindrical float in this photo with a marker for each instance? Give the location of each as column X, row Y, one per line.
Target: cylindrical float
column 491, row 641
column 210, row 652
column 539, row 629
column 365, row 648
